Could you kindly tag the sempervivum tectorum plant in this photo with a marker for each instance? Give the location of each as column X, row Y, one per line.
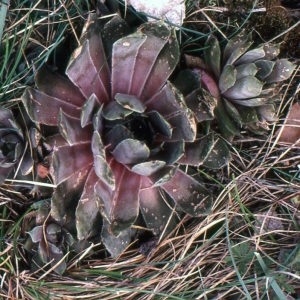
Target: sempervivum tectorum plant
column 126, row 129
column 14, row 150
column 243, row 81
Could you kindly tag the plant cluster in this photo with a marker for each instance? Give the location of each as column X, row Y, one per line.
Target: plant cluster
column 122, row 142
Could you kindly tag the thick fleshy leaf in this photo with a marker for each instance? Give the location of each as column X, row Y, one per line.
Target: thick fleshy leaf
column 88, row 219
column 69, row 159
column 72, row 131
column 219, row 156
column 271, row 51
column 125, row 205
column 114, row 111
column 130, row 102
column 184, row 126
column 115, row 245
column 267, row 112
column 197, row 152
column 202, row 104
column 212, row 55
column 124, row 54
column 167, row 102
column 98, row 120
column 251, row 56
column 233, row 112
column 187, row 81
column 227, row 78
column 57, row 86
column 265, row 68
column 116, row 136
column 170, row 152
column 66, row 195
column 246, row 70
column 101, row 166
column 159, row 124
column 148, row 168
column 162, row 69
column 248, row 87
column 156, row 212
column 236, row 47
column 55, row 255
column 89, row 108
column 89, row 58
column 44, row 109
column 163, row 176
column 131, row 151
column 36, row 233
column 189, row 194
column 157, row 35
column 112, row 31
column 248, row 114
column 53, row 233
column 252, row 101
column 282, row 70
column 5, row 116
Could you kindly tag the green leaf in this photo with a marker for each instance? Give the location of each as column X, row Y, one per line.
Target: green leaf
column 248, row 87
column 114, row 111
column 282, row 70
column 228, row 78
column 246, row 70
column 159, row 124
column 251, row 56
column 148, row 168
column 89, row 108
column 131, row 151
column 130, row 102
column 212, row 55
column 265, row 68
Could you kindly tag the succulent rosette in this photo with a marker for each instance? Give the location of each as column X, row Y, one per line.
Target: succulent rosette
column 243, row 81
column 14, row 149
column 126, row 132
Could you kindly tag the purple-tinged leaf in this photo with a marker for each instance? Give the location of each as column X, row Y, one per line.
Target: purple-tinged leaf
column 115, row 245
column 159, row 124
column 69, row 159
column 89, row 108
column 56, row 255
column 248, row 87
column 65, row 197
column 282, row 70
column 163, row 176
column 131, row 151
column 253, row 101
column 167, row 102
column 114, row 111
column 57, row 86
column 148, row 168
column 125, row 206
column 27, row 163
column 156, row 212
column 89, row 58
column 265, row 68
column 157, row 36
column 233, row 112
column 72, row 131
column 112, row 31
column 53, row 233
column 44, row 109
column 98, row 120
column 130, row 102
column 212, row 55
column 187, row 81
column 189, row 194
column 5, row 117
column 162, row 69
column 227, row 78
column 88, row 219
column 247, row 113
column 124, row 55
column 36, row 233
